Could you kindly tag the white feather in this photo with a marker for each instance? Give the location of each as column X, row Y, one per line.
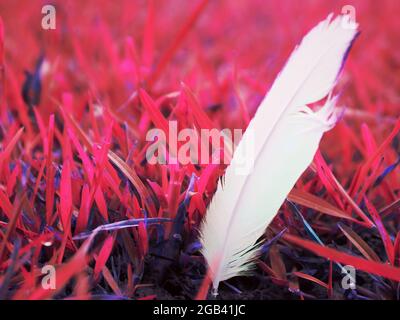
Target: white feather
column 286, row 134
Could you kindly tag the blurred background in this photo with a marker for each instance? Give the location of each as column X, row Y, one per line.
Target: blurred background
column 228, row 52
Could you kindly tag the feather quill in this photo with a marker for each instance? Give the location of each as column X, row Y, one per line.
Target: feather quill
column 285, row 134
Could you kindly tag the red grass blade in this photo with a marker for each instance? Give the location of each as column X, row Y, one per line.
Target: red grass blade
column 50, row 171
column 310, row 278
column 322, row 165
column 359, row 243
column 103, row 256
column 373, row 267
column 84, row 211
column 310, row 201
column 169, row 53
column 5, row 155
column 66, row 196
column 382, row 231
column 148, row 36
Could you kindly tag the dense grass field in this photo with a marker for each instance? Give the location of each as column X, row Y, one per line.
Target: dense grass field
column 83, row 215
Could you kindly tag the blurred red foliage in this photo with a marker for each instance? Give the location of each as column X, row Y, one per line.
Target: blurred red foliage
column 111, row 71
